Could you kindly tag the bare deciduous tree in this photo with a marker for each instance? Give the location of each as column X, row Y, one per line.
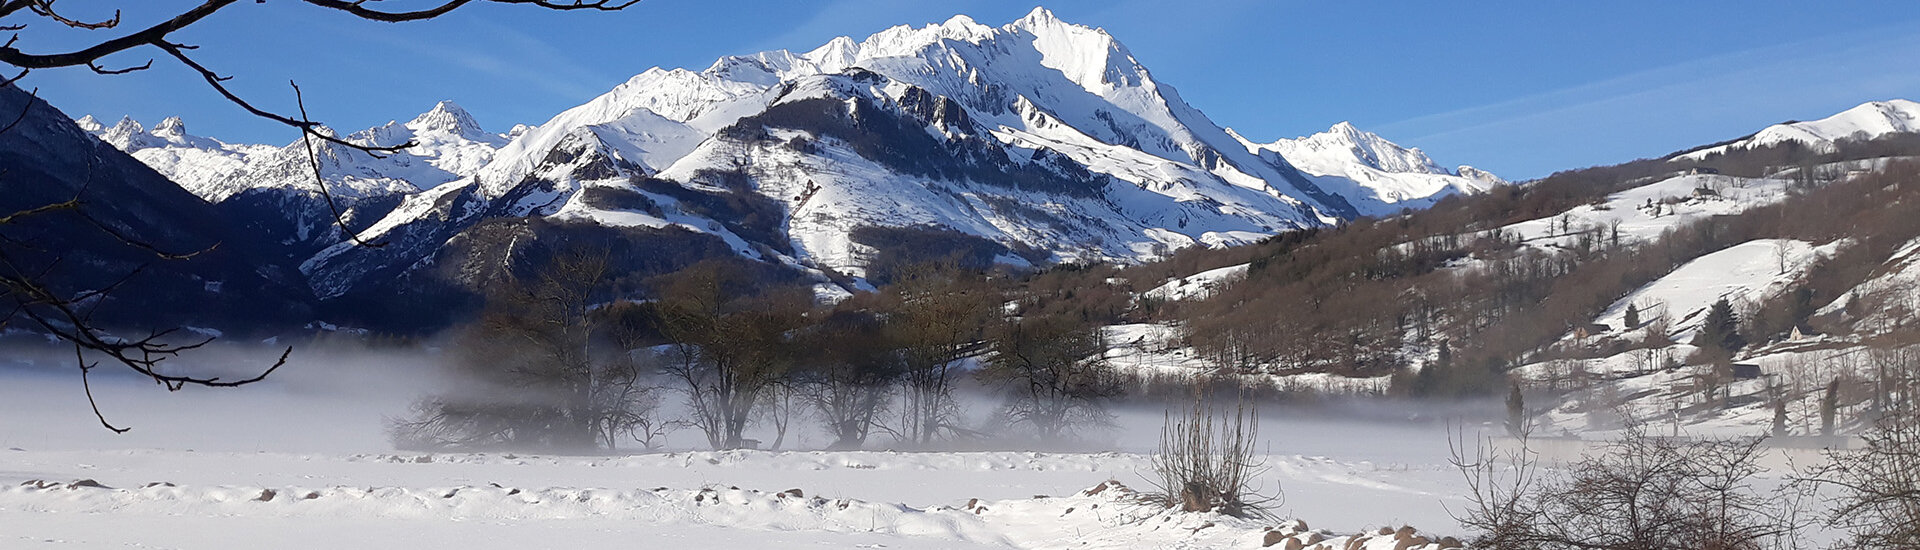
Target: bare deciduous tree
column 937, row 316
column 850, row 377
column 1057, row 373
column 727, row 352
column 546, row 371
column 69, row 318
column 102, row 38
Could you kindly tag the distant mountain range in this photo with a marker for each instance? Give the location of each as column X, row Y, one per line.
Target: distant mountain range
column 1025, row 144
column 1039, row 140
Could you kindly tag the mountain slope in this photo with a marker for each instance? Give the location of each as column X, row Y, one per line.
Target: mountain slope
column 50, row 159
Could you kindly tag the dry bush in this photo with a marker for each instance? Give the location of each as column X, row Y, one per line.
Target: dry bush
column 1640, row 492
column 1206, row 461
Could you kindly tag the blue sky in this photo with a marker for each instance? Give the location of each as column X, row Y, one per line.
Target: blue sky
column 1519, row 88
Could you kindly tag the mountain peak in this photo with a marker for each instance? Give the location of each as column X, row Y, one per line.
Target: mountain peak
column 1346, row 144
column 1040, row 17
column 129, row 125
column 446, row 116
column 836, row 54
column 171, row 127
column 90, row 125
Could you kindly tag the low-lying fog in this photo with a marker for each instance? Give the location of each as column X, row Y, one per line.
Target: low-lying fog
column 339, row 400
column 322, row 400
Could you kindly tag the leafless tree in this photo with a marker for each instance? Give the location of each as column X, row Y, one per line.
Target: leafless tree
column 1056, row 370
column 937, row 317
column 850, row 377
column 728, row 352
column 545, row 370
column 29, row 295
column 104, row 37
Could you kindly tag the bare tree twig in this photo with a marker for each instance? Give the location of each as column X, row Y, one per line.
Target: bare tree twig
column 313, row 159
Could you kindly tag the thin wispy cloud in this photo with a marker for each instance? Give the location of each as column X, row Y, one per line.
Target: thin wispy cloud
column 1708, row 99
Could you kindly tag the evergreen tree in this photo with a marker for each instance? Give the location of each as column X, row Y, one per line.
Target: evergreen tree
column 1780, row 417
column 1633, row 316
column 1829, row 408
column 1721, row 329
column 1516, row 412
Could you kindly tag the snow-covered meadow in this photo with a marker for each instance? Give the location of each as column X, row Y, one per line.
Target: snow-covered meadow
column 302, row 462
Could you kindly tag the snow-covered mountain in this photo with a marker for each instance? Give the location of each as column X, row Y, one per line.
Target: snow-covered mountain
column 449, row 144
column 1033, row 142
column 272, row 188
column 1375, row 175
column 1867, row 121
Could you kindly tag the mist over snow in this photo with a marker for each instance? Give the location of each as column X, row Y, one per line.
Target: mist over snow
column 324, row 400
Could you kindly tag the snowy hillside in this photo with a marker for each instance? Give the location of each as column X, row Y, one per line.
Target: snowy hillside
column 1745, row 273
column 1869, row 120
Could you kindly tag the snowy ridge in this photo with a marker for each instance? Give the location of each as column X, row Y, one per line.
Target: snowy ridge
column 1035, row 87
column 449, row 145
column 1867, row 121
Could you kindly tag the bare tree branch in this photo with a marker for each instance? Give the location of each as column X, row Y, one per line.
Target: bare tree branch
column 313, row 159
column 87, row 385
column 45, row 9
